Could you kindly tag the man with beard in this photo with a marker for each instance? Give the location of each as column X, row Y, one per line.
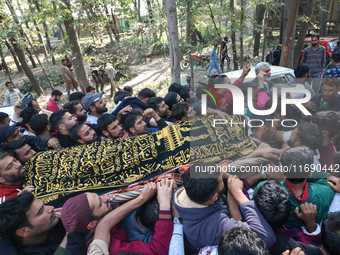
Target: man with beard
column 302, row 73
column 76, row 109
column 95, row 107
column 159, row 106
column 133, row 122
column 265, row 67
column 63, row 121
column 109, row 126
column 263, row 128
column 205, row 208
column 20, row 150
column 315, row 57
column 329, row 98
column 12, row 173
column 83, row 134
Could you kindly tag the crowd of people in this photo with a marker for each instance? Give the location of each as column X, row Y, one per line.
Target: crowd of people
column 292, row 210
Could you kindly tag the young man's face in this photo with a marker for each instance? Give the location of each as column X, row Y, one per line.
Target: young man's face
column 100, row 106
column 292, row 142
column 87, row 135
column 99, row 204
column 69, row 121
column 11, row 171
column 16, row 136
column 64, row 62
column 190, row 113
column 36, row 105
column 328, row 92
column 140, row 127
column 163, row 109
column 315, row 41
column 80, row 112
column 10, row 86
column 25, row 153
column 114, row 130
column 6, row 122
column 41, row 217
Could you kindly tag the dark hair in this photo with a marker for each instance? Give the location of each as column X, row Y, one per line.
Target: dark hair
column 129, row 119
column 120, row 95
column 56, row 93
column 89, row 89
column 105, row 120
column 13, row 214
column 128, row 88
column 76, row 96
column 338, row 42
column 336, row 57
column 3, row 117
column 179, row 110
column 4, row 154
column 217, row 79
column 63, row 59
column 13, row 145
column 301, row 70
column 30, row 104
column 38, row 123
column 310, row 136
column 154, row 103
column 57, row 118
column 272, row 199
column 26, row 115
column 74, row 130
column 327, row 120
column 297, row 163
column 314, row 35
column 149, row 213
column 8, row 82
column 204, row 186
column 175, row 87
column 146, row 93
column 71, row 106
column 246, row 85
column 241, row 240
column 257, row 120
column 185, row 93
column 330, row 233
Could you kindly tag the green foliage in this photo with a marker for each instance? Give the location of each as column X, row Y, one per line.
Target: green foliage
column 54, row 76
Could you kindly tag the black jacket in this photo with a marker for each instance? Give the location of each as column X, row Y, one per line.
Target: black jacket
column 333, row 105
column 37, row 143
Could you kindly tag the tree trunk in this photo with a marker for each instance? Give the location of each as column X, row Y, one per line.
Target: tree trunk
column 233, row 38
column 148, row 3
column 38, row 32
column 60, row 27
column 3, row 61
column 171, row 14
column 78, row 61
column 14, row 56
column 21, row 55
column 260, row 9
column 199, row 35
column 303, row 29
column 115, row 31
column 241, row 31
column 323, row 17
column 46, row 34
column 110, row 34
column 289, row 35
column 285, row 18
column 188, row 32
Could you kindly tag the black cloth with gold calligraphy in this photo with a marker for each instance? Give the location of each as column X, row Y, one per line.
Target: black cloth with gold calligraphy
column 116, row 164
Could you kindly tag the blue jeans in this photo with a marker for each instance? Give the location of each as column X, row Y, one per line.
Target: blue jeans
column 214, row 65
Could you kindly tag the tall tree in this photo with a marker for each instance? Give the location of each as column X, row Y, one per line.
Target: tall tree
column 75, row 47
column 3, row 61
column 233, row 37
column 50, row 51
column 323, row 17
column 303, row 29
column 171, row 14
column 259, row 15
column 241, row 30
column 60, row 27
column 14, row 56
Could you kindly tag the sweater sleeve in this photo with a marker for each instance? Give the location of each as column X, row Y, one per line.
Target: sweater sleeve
column 161, row 124
column 37, row 143
column 177, row 241
column 6, row 102
column 159, row 244
column 262, row 98
column 228, row 96
column 257, row 222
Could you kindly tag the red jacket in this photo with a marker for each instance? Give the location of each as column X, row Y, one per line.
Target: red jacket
column 8, row 191
column 159, row 244
column 53, row 105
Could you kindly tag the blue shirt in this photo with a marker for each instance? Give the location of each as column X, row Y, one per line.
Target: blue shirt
column 334, row 72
